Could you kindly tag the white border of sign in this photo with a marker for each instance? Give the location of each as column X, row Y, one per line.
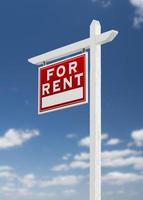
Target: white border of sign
column 66, row 106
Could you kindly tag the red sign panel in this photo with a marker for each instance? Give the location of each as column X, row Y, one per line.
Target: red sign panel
column 63, row 84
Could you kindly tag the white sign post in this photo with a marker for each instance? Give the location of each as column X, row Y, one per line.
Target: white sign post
column 93, row 43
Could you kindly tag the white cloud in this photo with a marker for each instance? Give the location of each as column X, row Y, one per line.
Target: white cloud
column 110, row 159
column 119, row 153
column 29, row 185
column 66, row 156
column 85, row 142
column 82, row 156
column 7, row 175
column 138, row 18
column 80, row 161
column 121, row 178
column 5, row 168
column 62, row 181
column 73, row 165
column 71, row 136
column 136, row 162
column 45, row 194
column 114, row 141
column 18, row 192
column 6, row 172
column 7, row 190
column 14, row 137
column 103, row 3
column 29, row 180
column 69, row 192
column 104, row 136
column 137, row 136
column 61, row 167
column 79, row 165
column 122, row 158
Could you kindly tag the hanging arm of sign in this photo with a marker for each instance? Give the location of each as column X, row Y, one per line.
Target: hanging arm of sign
column 73, row 48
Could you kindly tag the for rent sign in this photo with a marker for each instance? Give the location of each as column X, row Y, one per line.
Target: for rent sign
column 63, row 84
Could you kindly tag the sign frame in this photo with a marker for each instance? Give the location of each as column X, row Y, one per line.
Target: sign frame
column 71, row 103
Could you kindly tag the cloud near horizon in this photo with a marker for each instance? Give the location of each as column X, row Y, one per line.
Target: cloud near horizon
column 29, row 185
column 113, row 160
column 119, row 158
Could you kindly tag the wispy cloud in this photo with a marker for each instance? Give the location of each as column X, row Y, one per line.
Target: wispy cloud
column 61, row 167
column 29, row 185
column 79, row 161
column 69, row 192
column 104, row 136
column 82, row 156
column 66, row 176
column 138, row 18
column 66, row 180
column 121, row 178
column 66, row 156
column 13, row 137
column 5, row 168
column 85, row 142
column 114, row 141
column 11, row 191
column 28, row 181
column 110, row 159
column 137, row 137
column 75, row 164
column 103, row 3
column 6, row 172
column 122, row 158
column 71, row 136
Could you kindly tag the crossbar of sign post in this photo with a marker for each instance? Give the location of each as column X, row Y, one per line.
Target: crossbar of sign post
column 63, row 84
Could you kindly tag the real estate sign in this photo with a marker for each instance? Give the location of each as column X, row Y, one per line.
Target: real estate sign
column 63, row 84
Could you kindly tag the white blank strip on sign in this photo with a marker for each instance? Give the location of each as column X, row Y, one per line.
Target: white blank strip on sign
column 63, row 97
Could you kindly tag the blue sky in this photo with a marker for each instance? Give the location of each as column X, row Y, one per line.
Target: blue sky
column 47, row 157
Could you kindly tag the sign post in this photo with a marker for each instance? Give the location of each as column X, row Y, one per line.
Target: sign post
column 95, row 113
column 93, row 43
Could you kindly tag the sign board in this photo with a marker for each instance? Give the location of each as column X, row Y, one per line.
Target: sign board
column 63, row 84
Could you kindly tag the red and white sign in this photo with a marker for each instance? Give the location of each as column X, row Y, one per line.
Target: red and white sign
column 63, row 84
